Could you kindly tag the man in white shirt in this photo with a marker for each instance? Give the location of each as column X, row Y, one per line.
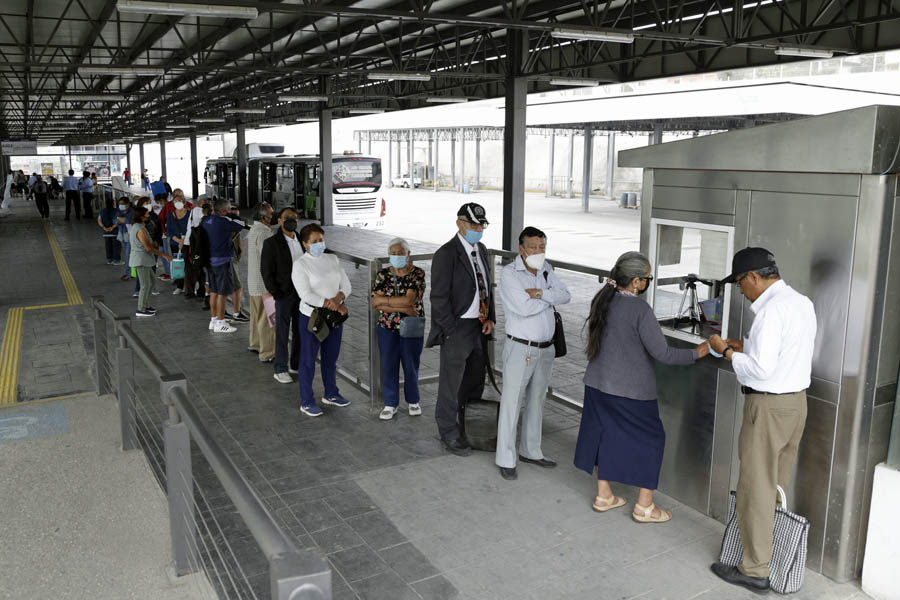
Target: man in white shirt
column 529, row 290
column 773, row 365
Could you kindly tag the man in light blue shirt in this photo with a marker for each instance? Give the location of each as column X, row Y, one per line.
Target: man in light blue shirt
column 70, row 186
column 86, row 187
column 529, row 290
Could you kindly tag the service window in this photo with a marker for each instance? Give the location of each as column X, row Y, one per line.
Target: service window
column 689, row 261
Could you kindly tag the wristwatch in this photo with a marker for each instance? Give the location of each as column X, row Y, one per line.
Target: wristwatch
column 725, row 354
column 540, row 294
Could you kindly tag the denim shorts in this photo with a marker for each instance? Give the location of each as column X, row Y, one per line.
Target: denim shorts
column 219, row 279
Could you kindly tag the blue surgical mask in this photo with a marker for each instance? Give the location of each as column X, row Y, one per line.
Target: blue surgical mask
column 398, row 262
column 317, row 249
column 473, row 237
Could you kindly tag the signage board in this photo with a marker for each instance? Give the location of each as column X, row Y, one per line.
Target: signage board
column 18, row 147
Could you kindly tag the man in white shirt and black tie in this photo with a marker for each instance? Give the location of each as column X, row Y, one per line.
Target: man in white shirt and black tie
column 773, row 365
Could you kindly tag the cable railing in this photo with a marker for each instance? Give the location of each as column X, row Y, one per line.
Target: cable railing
column 159, row 416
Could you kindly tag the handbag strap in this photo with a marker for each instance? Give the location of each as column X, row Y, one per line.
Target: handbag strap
column 548, row 283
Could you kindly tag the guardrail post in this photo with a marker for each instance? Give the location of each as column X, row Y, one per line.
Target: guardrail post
column 287, row 582
column 375, row 376
column 179, row 479
column 101, row 356
column 125, row 367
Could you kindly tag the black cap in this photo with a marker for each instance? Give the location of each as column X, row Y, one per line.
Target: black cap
column 749, row 259
column 473, row 212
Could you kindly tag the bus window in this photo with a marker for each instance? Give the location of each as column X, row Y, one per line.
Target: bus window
column 356, row 172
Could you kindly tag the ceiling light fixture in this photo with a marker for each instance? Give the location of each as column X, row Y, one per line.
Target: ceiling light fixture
column 803, row 52
column 303, row 98
column 306, row 119
column 124, row 70
column 207, row 120
column 446, row 99
column 85, row 111
column 179, row 126
column 575, row 82
column 141, row 7
column 399, row 76
column 593, row 35
column 93, row 97
column 366, row 111
column 249, row 111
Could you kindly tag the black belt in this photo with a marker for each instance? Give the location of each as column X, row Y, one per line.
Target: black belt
column 746, row 390
column 532, row 344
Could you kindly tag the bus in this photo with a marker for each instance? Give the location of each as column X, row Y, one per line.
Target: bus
column 293, row 181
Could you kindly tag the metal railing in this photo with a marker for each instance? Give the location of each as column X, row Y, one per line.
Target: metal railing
column 293, row 574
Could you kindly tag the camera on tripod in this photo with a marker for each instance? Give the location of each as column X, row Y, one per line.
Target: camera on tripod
column 689, row 311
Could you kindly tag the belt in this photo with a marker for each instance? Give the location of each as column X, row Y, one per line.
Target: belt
column 746, row 390
column 532, row 344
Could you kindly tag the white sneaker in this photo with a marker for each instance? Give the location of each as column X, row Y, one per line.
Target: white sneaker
column 224, row 327
column 415, row 410
column 292, row 371
column 212, row 324
column 387, row 413
column 283, row 378
column 176, row 291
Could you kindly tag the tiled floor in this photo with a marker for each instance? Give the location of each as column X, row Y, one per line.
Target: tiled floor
column 395, row 516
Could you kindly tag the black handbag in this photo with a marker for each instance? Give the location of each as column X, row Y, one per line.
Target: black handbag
column 559, row 333
column 323, row 320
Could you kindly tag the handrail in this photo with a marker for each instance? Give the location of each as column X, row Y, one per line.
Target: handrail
column 142, row 351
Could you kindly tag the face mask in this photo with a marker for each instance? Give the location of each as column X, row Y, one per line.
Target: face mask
column 398, row 262
column 535, row 261
column 179, row 205
column 473, row 237
column 123, row 207
column 317, row 249
column 290, row 224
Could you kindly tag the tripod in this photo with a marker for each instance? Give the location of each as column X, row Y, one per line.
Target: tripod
column 689, row 309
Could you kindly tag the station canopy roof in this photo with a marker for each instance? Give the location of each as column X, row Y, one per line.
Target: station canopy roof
column 91, row 71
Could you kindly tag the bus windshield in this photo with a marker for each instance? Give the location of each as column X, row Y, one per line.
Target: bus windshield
column 356, row 172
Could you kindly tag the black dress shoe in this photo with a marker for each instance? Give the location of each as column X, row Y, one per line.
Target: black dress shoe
column 733, row 575
column 457, row 447
column 508, row 473
column 541, row 462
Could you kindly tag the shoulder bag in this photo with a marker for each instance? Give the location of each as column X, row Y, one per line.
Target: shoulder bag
column 410, row 326
column 559, row 334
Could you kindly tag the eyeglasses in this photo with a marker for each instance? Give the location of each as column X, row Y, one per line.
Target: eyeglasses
column 738, row 280
column 475, row 226
column 648, row 279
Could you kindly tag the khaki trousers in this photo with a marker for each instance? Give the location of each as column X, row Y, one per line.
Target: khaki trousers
column 768, row 443
column 262, row 337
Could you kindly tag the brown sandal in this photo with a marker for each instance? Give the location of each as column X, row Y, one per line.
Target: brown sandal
column 605, row 504
column 644, row 514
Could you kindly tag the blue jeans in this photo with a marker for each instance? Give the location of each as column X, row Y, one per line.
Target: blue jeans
column 164, row 261
column 396, row 351
column 309, row 350
column 126, row 257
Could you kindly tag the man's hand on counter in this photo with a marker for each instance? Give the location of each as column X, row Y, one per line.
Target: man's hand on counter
column 736, row 345
column 718, row 344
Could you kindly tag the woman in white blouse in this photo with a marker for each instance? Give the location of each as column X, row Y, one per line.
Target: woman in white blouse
column 321, row 283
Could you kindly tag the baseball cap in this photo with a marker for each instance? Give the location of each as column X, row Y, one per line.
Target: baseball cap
column 473, row 212
column 749, row 259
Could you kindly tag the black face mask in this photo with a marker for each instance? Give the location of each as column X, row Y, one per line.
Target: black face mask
column 290, row 224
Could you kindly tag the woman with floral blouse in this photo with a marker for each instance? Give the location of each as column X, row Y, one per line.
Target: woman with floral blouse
column 397, row 293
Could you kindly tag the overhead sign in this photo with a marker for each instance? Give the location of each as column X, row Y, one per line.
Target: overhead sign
column 18, row 147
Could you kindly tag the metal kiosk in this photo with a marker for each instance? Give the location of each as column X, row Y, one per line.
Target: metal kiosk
column 821, row 193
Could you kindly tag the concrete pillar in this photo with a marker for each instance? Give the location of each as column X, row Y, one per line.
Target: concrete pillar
column 478, row 160
column 453, row 160
column 389, row 170
column 241, row 166
column 410, row 148
column 656, row 136
column 437, row 160
column 570, row 193
column 588, row 163
column 369, row 152
column 195, row 184
column 610, row 163
column 360, row 144
column 140, row 158
column 162, row 157
column 514, row 139
column 462, row 160
column 325, row 152
column 399, row 159
column 551, row 150
column 429, row 163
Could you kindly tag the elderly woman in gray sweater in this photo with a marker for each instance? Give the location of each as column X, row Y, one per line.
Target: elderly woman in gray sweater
column 621, row 435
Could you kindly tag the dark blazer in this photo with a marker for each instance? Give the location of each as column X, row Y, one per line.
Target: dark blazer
column 276, row 265
column 452, row 288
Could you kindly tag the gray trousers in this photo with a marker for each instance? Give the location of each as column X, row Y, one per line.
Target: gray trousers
column 526, row 372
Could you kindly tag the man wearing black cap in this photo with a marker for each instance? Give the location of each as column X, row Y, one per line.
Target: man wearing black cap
column 773, row 365
column 462, row 312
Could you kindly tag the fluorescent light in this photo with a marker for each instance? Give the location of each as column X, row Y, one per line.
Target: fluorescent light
column 208, row 120
column 446, row 99
column 124, row 70
column 593, row 35
column 93, row 97
column 158, row 131
column 306, row 119
column 303, row 98
column 85, row 111
column 249, row 111
column 399, row 76
column 218, row 133
column 366, row 111
column 179, row 126
column 581, row 82
column 803, row 52
column 186, row 10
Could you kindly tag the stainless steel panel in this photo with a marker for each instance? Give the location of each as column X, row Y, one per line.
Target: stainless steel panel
column 811, row 237
column 694, row 199
column 825, row 390
column 878, row 446
column 870, row 261
column 694, row 217
column 724, row 440
column 860, row 140
column 812, row 475
column 687, row 407
column 831, row 184
column 889, row 356
column 646, row 209
column 885, row 394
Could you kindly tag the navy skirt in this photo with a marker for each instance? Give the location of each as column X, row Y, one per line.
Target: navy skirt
column 620, row 437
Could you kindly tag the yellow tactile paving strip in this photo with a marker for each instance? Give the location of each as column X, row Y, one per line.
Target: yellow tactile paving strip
column 72, row 294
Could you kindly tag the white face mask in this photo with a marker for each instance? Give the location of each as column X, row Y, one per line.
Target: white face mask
column 179, row 205
column 535, row 261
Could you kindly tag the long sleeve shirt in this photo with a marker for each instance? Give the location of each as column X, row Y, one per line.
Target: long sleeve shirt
column 777, row 356
column 193, row 221
column 530, row 318
column 221, row 246
column 86, row 184
column 317, row 279
column 473, row 311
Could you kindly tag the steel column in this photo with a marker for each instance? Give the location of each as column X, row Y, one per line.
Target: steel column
column 101, row 355
column 410, row 149
column 514, row 162
column 389, row 170
column 610, row 163
column 478, row 160
column 195, row 184
column 551, row 149
column 325, row 174
column 586, row 176
column 140, row 158
column 437, row 160
column 180, row 491
column 127, row 158
column 429, row 164
column 462, row 161
column 570, row 178
column 453, row 160
column 376, row 377
column 241, row 166
column 399, row 155
column 162, row 157
column 369, row 153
